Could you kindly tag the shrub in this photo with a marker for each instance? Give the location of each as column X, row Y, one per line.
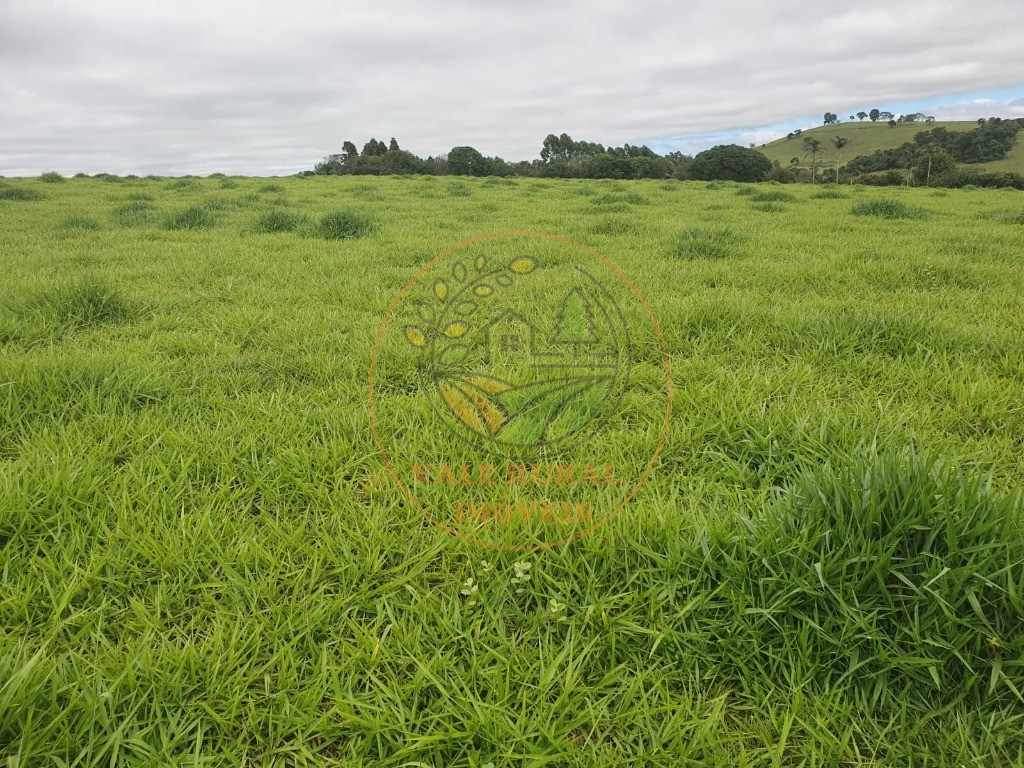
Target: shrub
column 730, row 162
column 193, row 217
column 972, row 178
column 707, row 243
column 51, row 177
column 345, row 224
column 887, row 209
column 883, row 179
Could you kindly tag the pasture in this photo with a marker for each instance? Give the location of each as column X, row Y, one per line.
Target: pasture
column 204, row 560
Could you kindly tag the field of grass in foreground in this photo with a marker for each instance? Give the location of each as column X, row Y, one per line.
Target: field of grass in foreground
column 202, row 559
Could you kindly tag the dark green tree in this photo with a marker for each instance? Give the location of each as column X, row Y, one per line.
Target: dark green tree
column 729, row 162
column 467, row 161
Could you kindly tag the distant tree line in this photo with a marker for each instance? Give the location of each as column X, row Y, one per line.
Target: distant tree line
column 875, row 114
column 932, row 157
column 560, row 157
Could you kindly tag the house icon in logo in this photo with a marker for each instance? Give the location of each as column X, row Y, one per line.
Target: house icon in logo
column 509, row 340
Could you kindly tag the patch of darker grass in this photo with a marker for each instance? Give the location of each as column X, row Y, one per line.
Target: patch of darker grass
column 182, row 185
column 193, row 217
column 707, row 243
column 887, row 208
column 345, row 224
column 772, row 196
column 137, row 213
column 828, row 194
column 21, row 194
column 76, row 223
column 271, row 188
column 277, row 221
column 74, row 306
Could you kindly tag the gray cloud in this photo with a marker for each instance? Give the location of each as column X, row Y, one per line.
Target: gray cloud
column 255, row 87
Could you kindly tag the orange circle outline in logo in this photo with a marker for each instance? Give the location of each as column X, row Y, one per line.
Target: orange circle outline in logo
column 373, row 415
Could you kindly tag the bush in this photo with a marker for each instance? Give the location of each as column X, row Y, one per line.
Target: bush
column 883, row 179
column 51, row 177
column 193, row 217
column 971, row 177
column 887, row 209
column 345, row 224
column 730, row 162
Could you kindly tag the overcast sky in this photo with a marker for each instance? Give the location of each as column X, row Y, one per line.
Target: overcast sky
column 132, row 86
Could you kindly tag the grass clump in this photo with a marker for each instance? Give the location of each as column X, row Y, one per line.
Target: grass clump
column 182, row 185
column 707, row 243
column 276, row 222
column 271, row 188
column 193, row 217
column 772, row 196
column 904, row 571
column 345, row 224
column 828, row 194
column 75, row 223
column 887, row 208
column 21, row 194
column 136, row 213
column 74, row 306
column 51, row 177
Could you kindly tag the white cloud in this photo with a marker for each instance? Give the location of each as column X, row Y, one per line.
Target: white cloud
column 257, row 87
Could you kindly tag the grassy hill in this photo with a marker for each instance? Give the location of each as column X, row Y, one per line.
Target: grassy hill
column 868, row 137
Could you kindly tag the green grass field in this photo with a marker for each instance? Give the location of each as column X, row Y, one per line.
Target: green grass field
column 867, row 137
column 203, row 559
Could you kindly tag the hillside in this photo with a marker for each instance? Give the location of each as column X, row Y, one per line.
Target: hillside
column 868, row 137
